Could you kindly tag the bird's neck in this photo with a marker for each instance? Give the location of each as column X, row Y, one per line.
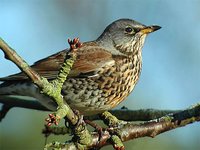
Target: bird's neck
column 129, row 49
column 107, row 44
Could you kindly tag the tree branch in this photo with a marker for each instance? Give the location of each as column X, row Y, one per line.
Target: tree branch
column 117, row 132
column 53, row 88
column 129, row 130
column 122, row 114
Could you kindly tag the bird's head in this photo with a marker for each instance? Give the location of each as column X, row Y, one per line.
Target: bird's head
column 126, row 35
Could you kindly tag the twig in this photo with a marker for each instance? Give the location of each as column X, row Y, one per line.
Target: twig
column 15, row 101
column 122, row 114
column 129, row 130
column 53, row 89
column 118, row 131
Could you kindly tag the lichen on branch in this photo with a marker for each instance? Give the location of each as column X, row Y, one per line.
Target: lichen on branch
column 53, row 88
column 117, row 131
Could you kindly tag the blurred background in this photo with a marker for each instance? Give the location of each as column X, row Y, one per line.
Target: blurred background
column 171, row 57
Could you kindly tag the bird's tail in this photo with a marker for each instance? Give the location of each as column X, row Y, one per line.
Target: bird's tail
column 29, row 89
column 13, row 88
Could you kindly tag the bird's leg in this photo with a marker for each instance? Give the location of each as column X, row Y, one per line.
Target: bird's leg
column 98, row 128
column 80, row 118
column 80, row 121
column 93, row 124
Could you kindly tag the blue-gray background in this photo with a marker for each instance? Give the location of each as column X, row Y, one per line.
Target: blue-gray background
column 171, row 58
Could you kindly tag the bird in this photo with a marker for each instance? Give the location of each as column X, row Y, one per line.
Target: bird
column 104, row 73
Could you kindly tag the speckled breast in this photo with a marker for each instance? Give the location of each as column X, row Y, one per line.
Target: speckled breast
column 94, row 95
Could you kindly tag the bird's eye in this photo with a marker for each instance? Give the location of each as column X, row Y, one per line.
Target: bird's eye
column 128, row 29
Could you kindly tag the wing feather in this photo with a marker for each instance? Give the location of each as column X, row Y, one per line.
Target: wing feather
column 90, row 58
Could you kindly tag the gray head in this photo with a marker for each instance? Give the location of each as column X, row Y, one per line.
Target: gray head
column 125, row 35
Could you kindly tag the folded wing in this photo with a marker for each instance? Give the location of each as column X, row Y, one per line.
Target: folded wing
column 90, row 58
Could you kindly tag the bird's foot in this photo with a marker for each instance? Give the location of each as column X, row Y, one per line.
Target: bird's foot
column 97, row 127
column 80, row 118
column 81, row 121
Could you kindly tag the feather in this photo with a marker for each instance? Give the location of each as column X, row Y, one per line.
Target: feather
column 90, row 58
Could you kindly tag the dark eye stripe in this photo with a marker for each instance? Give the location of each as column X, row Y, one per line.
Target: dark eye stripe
column 128, row 29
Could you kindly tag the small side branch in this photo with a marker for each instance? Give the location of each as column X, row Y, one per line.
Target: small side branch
column 160, row 125
column 122, row 114
column 53, row 89
column 129, row 130
column 11, row 55
column 117, row 132
column 50, row 89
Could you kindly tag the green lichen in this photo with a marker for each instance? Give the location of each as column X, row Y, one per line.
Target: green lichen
column 82, row 137
column 116, row 142
column 109, row 119
column 65, row 69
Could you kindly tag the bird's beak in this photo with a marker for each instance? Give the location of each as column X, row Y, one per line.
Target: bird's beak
column 149, row 29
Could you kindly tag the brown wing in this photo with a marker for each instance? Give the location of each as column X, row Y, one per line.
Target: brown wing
column 47, row 67
column 90, row 58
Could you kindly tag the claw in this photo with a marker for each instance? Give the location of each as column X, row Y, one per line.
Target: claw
column 80, row 121
column 97, row 128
